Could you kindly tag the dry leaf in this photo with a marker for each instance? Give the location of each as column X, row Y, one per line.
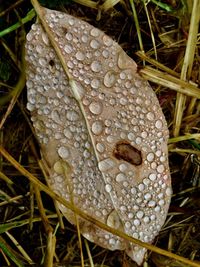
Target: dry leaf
column 102, row 133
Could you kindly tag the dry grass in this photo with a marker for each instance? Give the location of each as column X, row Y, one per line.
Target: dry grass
column 162, row 36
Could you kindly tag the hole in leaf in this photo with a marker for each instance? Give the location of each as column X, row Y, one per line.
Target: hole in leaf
column 123, row 150
column 51, row 63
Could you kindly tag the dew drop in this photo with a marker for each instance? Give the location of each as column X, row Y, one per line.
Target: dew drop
column 106, row 164
column 96, row 66
column 97, row 127
column 69, row 36
column 150, row 157
column 68, row 48
column 107, row 40
column 108, row 188
column 120, row 177
column 150, row 116
column 94, row 44
column 63, row 152
column 95, row 32
column 96, row 107
column 80, row 56
column 95, row 83
column 72, row 115
column 100, row 147
column 109, row 79
column 159, row 124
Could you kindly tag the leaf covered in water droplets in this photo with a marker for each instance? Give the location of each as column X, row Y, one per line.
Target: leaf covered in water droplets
column 101, row 131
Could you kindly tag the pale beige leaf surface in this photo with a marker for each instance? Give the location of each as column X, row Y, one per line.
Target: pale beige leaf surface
column 103, row 135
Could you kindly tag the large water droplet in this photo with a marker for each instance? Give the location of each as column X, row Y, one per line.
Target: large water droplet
column 95, row 32
column 96, row 66
column 63, row 152
column 80, row 56
column 72, row 115
column 97, row 127
column 106, row 164
column 96, row 107
column 109, row 79
column 94, row 44
column 68, row 48
column 95, row 83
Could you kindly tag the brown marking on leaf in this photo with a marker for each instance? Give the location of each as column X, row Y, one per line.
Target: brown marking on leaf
column 124, row 150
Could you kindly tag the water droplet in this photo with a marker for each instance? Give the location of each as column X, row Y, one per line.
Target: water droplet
column 56, row 116
column 160, row 168
column 168, row 191
column 107, row 40
column 150, row 116
column 95, row 83
column 68, row 48
column 159, row 124
column 136, row 222
column 131, row 136
column 67, row 133
column 95, row 32
column 97, row 127
column 72, row 115
column 106, row 164
column 122, row 75
column 150, row 157
column 105, row 53
column 63, row 152
column 140, row 214
column 141, row 187
column 100, row 147
column 109, row 79
column 96, row 108
column 120, row 177
column 151, row 203
column 94, row 44
column 152, row 176
column 123, row 101
column 108, row 188
column 146, row 219
column 79, row 56
column 84, row 38
column 71, row 21
column 96, row 66
column 69, row 36
column 123, row 167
